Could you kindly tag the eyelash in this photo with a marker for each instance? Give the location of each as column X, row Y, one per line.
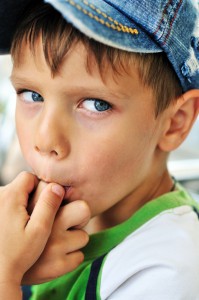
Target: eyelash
column 100, row 102
column 96, row 102
column 21, row 91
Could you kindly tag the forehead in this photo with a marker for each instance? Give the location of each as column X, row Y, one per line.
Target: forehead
column 56, row 47
column 79, row 55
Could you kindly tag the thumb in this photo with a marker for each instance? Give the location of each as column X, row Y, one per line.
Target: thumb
column 45, row 210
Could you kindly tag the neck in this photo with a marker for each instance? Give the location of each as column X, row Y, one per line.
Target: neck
column 125, row 208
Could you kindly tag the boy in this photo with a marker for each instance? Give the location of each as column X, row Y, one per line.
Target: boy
column 100, row 104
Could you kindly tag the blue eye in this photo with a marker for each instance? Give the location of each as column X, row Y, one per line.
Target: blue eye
column 101, row 105
column 96, row 105
column 37, row 97
column 30, row 96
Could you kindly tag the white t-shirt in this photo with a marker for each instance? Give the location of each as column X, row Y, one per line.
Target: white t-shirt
column 167, row 269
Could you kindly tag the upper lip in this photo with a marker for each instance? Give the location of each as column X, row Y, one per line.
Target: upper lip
column 67, row 187
column 48, row 180
column 49, row 174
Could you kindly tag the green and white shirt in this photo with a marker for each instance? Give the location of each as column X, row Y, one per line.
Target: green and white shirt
column 153, row 255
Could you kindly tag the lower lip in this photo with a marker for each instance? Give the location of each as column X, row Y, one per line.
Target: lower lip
column 67, row 190
column 66, row 196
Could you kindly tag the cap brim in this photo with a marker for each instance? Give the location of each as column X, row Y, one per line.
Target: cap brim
column 106, row 25
column 10, row 14
column 97, row 23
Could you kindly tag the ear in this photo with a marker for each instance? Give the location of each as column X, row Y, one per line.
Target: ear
column 179, row 121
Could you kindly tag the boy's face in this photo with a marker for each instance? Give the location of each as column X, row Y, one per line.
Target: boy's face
column 96, row 136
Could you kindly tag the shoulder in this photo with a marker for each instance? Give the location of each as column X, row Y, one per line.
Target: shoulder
column 160, row 260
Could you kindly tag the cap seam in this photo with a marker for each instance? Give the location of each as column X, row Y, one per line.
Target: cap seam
column 171, row 23
column 115, row 24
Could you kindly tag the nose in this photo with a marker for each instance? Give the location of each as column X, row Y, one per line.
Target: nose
column 52, row 135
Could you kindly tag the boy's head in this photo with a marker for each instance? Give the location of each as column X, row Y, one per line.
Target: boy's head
column 154, row 69
column 86, row 110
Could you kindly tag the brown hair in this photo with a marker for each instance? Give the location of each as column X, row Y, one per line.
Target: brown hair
column 154, row 70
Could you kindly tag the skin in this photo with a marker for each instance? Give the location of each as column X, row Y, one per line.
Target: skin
column 62, row 251
column 19, row 230
column 54, row 245
column 65, row 139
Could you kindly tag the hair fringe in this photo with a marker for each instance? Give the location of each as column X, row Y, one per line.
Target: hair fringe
column 58, row 37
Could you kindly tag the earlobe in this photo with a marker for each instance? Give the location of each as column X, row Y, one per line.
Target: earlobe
column 181, row 118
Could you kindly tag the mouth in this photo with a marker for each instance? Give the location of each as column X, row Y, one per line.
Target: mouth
column 48, row 180
column 67, row 188
column 48, row 177
column 66, row 195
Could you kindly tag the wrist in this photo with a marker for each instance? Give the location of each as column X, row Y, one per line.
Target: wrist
column 8, row 276
column 10, row 290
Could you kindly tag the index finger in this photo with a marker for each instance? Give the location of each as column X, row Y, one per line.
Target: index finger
column 44, row 212
column 25, row 182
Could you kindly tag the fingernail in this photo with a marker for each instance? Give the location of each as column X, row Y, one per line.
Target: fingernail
column 58, row 190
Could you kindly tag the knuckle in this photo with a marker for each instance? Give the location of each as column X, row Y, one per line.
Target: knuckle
column 72, row 261
column 53, row 249
column 83, row 206
column 80, row 236
column 57, row 269
column 82, row 213
column 84, row 210
column 66, row 264
column 79, row 257
column 84, row 237
column 7, row 196
column 40, row 229
column 52, row 200
column 25, row 181
column 3, row 191
column 51, row 203
column 24, row 175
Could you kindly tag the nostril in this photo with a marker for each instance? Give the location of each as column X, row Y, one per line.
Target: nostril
column 45, row 152
column 37, row 149
column 53, row 152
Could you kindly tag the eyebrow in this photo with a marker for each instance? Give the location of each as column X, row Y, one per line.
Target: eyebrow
column 20, row 80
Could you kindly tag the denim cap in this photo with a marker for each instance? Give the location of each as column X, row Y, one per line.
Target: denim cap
column 145, row 26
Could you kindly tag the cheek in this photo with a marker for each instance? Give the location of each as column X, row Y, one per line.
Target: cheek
column 25, row 134
column 112, row 174
column 118, row 164
column 25, row 144
column 111, row 161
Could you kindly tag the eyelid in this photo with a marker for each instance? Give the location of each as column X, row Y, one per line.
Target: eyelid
column 92, row 99
column 95, row 99
column 94, row 113
column 20, row 91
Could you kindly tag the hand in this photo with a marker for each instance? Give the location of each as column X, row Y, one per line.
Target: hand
column 23, row 237
column 61, row 254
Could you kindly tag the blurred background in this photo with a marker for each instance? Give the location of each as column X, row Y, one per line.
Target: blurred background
column 183, row 163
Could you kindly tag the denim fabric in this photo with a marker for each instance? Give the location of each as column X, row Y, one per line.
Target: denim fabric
column 145, row 26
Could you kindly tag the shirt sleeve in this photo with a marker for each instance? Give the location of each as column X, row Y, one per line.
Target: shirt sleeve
column 158, row 261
